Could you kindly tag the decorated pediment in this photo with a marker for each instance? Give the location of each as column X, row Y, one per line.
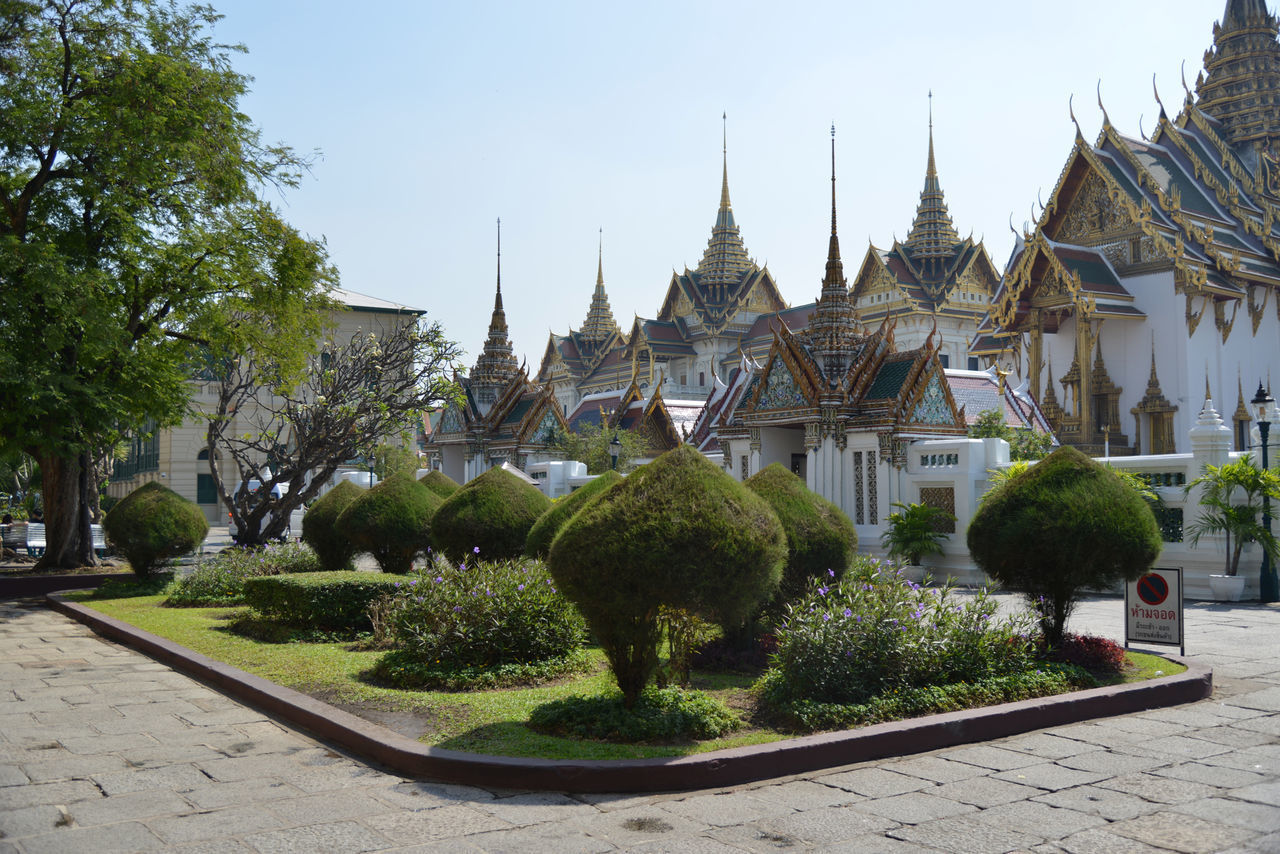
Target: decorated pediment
column 1092, row 216
column 451, row 421
column 779, row 390
column 546, row 429
column 933, row 404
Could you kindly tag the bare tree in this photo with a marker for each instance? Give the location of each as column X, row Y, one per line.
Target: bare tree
column 295, row 436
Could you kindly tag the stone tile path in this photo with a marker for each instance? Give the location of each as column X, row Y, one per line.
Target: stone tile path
column 104, row 750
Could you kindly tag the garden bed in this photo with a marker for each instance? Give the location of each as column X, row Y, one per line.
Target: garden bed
column 463, row 733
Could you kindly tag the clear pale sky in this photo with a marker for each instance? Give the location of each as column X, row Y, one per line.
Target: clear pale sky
column 434, row 119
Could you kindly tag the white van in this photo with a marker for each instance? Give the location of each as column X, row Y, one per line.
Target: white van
column 251, row 486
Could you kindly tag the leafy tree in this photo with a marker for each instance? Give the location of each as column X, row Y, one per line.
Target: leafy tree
column 679, row 533
column 589, row 444
column 1231, row 504
column 349, row 398
column 133, row 234
column 1063, row 525
column 1024, row 443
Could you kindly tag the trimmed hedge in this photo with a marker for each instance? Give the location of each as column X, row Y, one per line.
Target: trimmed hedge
column 153, row 524
column 392, row 522
column 439, row 483
column 1065, row 525
column 492, row 513
column 538, row 543
column 820, row 536
column 320, row 530
column 677, row 532
column 319, row 600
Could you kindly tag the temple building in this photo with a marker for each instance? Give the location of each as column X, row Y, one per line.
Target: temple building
column 934, row 280
column 503, row 416
column 835, row 403
column 1154, row 268
column 708, row 314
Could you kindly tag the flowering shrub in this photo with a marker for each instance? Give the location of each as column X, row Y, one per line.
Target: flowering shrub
column 220, row 580
column 482, row 614
column 1091, row 652
column 851, row 639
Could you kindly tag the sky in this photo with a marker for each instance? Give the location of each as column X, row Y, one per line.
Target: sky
column 583, row 123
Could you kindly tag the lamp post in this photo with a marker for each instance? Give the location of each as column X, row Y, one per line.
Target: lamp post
column 615, row 448
column 1269, row 584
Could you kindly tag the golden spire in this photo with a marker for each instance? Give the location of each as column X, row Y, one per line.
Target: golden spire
column 496, row 364
column 599, row 325
column 725, row 260
column 1242, row 73
column 724, row 156
column 932, row 236
column 833, row 326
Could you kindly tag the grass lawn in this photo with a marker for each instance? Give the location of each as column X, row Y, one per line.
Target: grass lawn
column 480, row 721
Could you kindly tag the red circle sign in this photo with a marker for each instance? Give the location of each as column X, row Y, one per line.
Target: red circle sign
column 1153, row 589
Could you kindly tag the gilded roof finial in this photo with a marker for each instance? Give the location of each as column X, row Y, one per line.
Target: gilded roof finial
column 1156, row 92
column 1072, row 112
column 600, row 260
column 497, row 302
column 1207, row 394
column 1190, row 97
column 724, row 152
column 1106, row 120
column 833, row 179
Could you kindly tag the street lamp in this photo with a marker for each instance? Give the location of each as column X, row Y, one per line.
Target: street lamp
column 615, row 448
column 1269, row 584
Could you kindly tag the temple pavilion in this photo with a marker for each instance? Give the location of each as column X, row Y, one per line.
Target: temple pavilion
column 933, row 283
column 708, row 314
column 836, row 403
column 503, row 416
column 1154, row 269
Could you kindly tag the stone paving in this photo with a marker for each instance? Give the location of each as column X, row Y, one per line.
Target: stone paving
column 104, row 750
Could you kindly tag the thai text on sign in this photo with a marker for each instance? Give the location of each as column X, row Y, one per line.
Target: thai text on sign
column 1153, row 608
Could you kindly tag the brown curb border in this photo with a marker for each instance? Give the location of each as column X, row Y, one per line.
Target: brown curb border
column 704, row 770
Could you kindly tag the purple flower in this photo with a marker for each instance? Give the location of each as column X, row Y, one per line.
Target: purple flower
column 439, row 579
column 831, row 572
column 826, row 618
column 519, row 586
column 822, row 591
column 476, row 550
column 457, row 608
column 858, row 618
column 848, row 612
column 462, row 566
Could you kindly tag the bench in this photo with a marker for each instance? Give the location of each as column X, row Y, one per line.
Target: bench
column 99, row 540
column 35, row 539
column 13, row 536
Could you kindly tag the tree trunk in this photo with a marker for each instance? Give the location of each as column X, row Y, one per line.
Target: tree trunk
column 68, row 543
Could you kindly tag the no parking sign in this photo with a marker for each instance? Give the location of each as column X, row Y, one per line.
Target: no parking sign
column 1153, row 609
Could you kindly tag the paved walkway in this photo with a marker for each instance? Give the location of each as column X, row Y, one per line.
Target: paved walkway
column 103, row 750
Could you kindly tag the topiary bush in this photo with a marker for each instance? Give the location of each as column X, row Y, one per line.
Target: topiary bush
column 677, row 532
column 820, row 536
column 336, row 601
column 538, row 543
column 660, row 715
column 220, row 580
column 493, row 512
column 392, row 522
column 320, row 529
column 439, row 483
column 153, row 524
column 1064, row 525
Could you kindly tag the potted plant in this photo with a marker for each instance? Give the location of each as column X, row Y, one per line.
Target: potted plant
column 914, row 532
column 1231, row 505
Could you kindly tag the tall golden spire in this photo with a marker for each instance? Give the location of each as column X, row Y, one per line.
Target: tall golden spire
column 932, row 239
column 599, row 325
column 725, row 260
column 1241, row 81
column 496, row 364
column 833, row 327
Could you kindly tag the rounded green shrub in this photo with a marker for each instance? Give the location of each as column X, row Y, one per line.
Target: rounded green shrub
column 677, row 532
column 492, row 513
column 1064, row 525
column 320, row 530
column 820, row 536
column 220, row 579
column 153, row 524
column 439, row 483
column 392, row 522
column 538, row 543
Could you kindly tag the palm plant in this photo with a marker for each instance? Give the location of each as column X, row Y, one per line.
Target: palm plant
column 913, row 531
column 1231, row 505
